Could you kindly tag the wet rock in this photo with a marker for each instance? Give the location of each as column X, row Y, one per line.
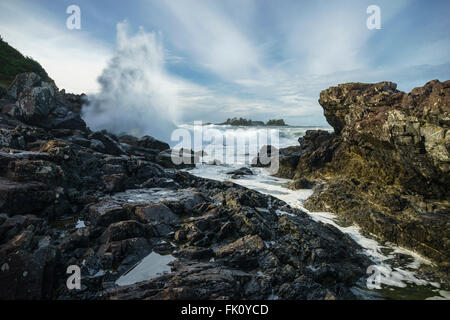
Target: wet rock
column 265, row 156
column 27, row 268
column 182, row 158
column 247, row 245
column 125, row 230
column 24, row 197
column 195, row 253
column 155, row 212
column 107, row 212
column 70, row 121
column 151, row 143
column 386, row 166
column 35, row 170
column 115, row 182
column 111, row 146
column 241, row 172
column 70, row 196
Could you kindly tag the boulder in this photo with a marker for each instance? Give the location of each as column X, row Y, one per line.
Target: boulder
column 107, row 212
column 24, row 197
column 27, row 271
column 35, row 104
column 152, row 143
column 111, row 146
column 22, row 82
column 386, row 166
column 70, row 121
column 244, row 171
column 156, row 213
column 125, row 230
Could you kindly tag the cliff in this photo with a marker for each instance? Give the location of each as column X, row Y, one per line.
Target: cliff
column 386, row 166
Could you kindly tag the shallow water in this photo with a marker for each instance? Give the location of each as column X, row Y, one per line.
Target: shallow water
column 148, row 268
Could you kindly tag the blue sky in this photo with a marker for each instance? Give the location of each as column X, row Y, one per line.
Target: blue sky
column 252, row 58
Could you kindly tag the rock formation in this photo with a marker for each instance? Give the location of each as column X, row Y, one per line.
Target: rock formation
column 70, row 196
column 386, row 166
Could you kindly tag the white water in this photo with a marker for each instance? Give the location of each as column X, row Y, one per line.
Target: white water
column 148, row 268
column 399, row 276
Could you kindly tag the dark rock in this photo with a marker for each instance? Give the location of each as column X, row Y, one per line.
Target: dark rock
column 107, row 212
column 35, row 104
column 386, row 167
column 27, row 273
column 241, row 172
column 151, row 143
column 155, row 212
column 182, row 158
column 125, row 230
column 111, row 146
column 24, row 197
column 70, row 121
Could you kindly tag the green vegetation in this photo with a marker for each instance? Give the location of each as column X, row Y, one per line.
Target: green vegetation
column 12, row 62
column 279, row 122
column 245, row 122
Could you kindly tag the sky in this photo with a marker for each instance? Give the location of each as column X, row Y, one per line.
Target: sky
column 211, row 60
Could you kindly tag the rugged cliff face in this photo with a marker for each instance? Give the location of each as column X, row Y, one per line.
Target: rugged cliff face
column 386, row 167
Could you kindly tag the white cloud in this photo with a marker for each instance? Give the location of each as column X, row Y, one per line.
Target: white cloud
column 70, row 57
column 244, row 58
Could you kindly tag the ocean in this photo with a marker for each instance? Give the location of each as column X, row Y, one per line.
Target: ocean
column 400, row 273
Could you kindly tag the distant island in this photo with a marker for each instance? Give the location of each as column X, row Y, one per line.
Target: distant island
column 245, row 122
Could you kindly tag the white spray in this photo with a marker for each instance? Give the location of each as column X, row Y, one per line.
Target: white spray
column 137, row 96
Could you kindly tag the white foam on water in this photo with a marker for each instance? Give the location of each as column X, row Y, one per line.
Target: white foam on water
column 80, row 224
column 383, row 254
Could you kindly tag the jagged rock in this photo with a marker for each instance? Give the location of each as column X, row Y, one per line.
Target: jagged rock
column 35, row 170
column 155, row 212
column 386, row 167
column 35, row 104
column 24, row 197
column 70, row 121
column 151, row 143
column 107, row 212
column 247, row 245
column 70, row 196
column 241, row 172
column 125, row 230
column 14, row 225
column 110, row 145
column 27, row 268
column 182, row 158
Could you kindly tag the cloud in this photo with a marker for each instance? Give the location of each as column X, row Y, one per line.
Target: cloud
column 137, row 95
column 253, row 58
column 71, row 57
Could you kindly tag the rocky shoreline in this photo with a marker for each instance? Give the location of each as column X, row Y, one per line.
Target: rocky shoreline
column 71, row 196
column 385, row 167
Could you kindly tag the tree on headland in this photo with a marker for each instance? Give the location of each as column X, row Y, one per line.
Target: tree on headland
column 12, row 62
column 279, row 122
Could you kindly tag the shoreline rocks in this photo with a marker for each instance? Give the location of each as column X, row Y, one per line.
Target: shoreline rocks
column 70, row 196
column 385, row 167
